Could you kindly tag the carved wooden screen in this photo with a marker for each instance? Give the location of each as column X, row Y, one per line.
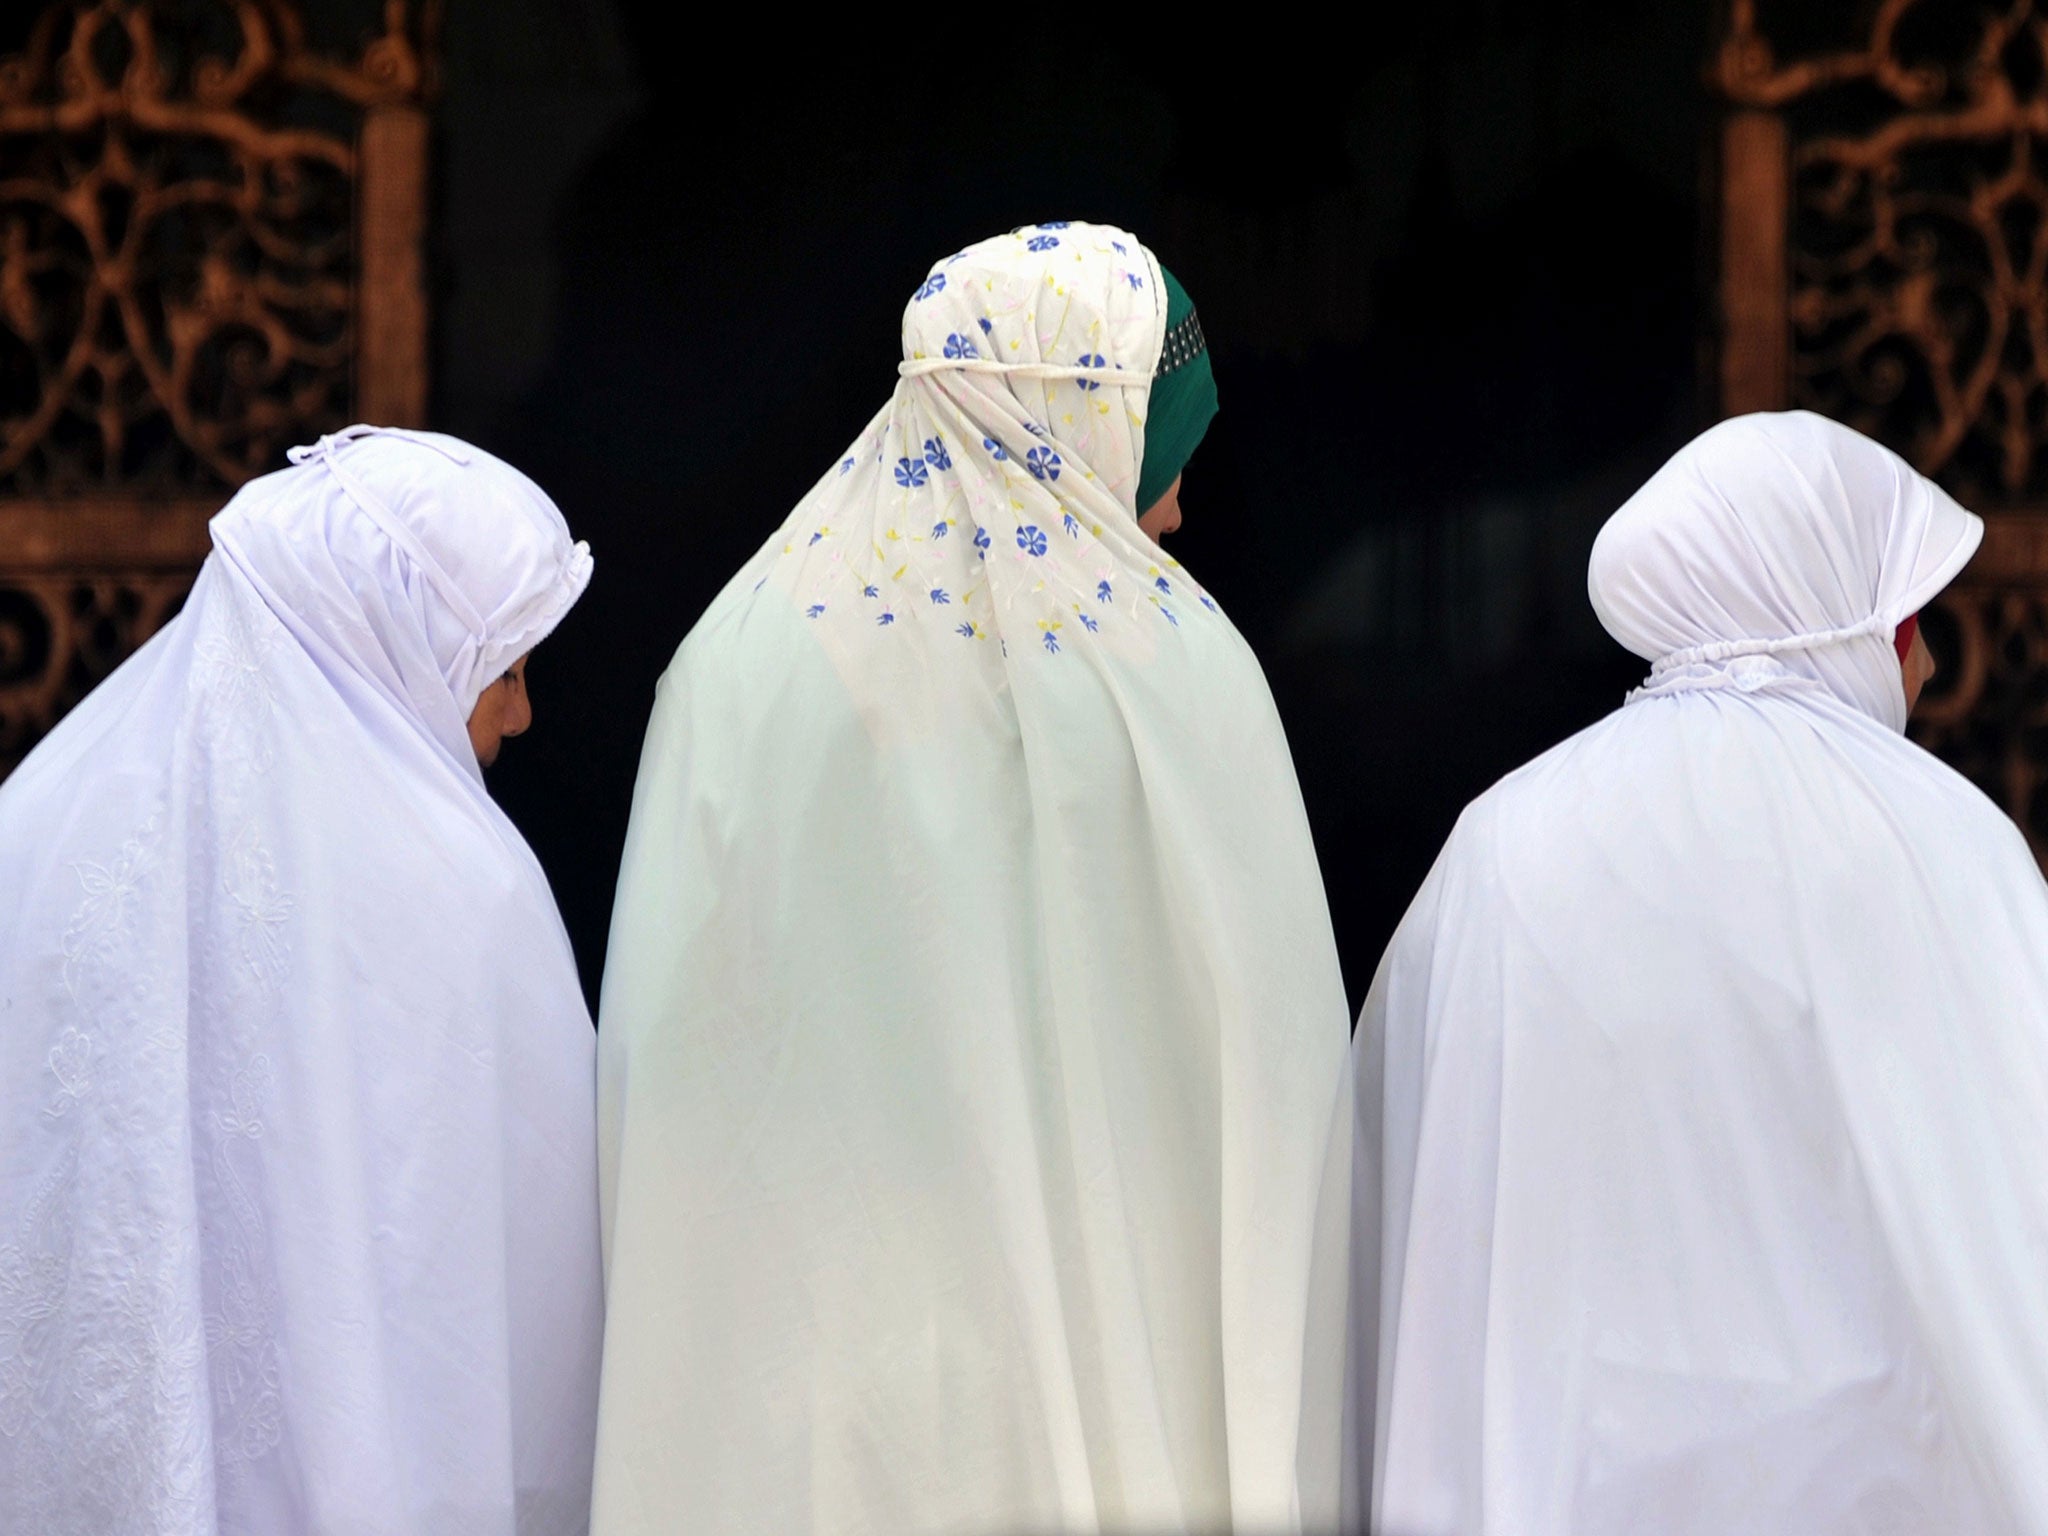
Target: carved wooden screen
column 1884, row 260
column 210, row 249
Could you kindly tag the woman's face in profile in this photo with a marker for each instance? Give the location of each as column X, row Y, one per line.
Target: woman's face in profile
column 502, row 710
column 1163, row 516
column 1917, row 668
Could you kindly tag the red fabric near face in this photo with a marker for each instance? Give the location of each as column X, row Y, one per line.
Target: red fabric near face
column 1902, row 637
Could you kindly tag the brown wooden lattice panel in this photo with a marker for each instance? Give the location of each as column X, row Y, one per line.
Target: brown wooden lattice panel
column 1884, row 260
column 210, row 249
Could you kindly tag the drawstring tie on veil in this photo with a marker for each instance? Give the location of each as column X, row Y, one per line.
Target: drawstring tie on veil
column 915, row 368
column 1750, row 664
column 1725, row 650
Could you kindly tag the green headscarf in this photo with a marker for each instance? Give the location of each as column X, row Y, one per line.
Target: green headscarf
column 1183, row 397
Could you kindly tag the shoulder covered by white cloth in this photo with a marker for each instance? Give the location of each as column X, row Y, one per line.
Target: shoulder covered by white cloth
column 298, row 1226
column 1702, row 1094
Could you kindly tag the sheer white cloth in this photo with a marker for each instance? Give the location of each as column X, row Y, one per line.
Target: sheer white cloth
column 1703, row 1093
column 972, row 1026
column 298, row 1222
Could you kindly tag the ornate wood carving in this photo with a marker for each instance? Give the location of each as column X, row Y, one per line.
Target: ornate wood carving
column 1988, row 712
column 1884, row 260
column 210, row 249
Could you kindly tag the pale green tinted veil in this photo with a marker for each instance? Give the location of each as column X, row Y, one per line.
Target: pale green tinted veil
column 972, row 1028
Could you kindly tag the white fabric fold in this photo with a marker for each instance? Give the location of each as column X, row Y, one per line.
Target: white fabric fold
column 972, row 1028
column 1786, row 535
column 1702, row 1095
column 298, row 1226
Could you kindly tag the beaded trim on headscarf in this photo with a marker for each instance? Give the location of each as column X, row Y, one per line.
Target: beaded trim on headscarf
column 1183, row 344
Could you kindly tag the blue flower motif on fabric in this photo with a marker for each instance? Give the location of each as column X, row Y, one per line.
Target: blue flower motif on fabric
column 982, row 541
column 911, row 473
column 934, row 284
column 845, row 466
column 814, row 610
column 1057, row 224
column 1208, row 603
column 1169, row 616
column 1087, row 623
column 959, row 346
column 1160, row 583
column 885, row 618
column 935, row 453
column 1041, row 242
column 815, row 538
column 1073, row 524
column 939, row 596
column 967, row 631
column 987, row 327
column 995, row 447
column 870, row 591
column 1034, row 429
column 1030, row 540
column 1102, row 592
column 939, row 530
column 1043, row 463
column 1092, row 360
column 1134, row 280
column 1118, row 247
column 1052, row 644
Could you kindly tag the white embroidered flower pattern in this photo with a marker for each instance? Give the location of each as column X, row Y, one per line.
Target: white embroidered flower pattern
column 138, row 1306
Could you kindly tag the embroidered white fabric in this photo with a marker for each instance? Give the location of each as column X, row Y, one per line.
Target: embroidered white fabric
column 972, row 1026
column 297, row 1172
column 1703, row 1091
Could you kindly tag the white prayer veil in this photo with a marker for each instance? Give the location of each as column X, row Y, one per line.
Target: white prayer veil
column 1702, row 1095
column 1786, row 535
column 972, row 1024
column 297, row 1164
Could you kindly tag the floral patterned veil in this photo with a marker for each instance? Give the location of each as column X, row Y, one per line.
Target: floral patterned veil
column 972, row 1028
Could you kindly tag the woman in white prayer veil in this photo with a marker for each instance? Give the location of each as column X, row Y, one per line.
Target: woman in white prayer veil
column 298, row 1205
column 972, row 1026
column 1702, row 1155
